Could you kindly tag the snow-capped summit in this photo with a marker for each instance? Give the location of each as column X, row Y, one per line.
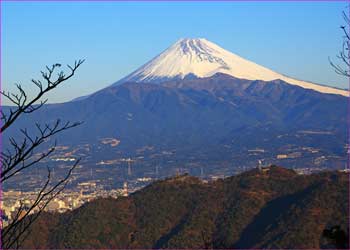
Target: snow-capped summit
column 202, row 58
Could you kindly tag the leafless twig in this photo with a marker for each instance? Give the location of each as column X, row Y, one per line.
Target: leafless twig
column 21, row 152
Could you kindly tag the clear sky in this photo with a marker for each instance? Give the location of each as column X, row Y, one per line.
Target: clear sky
column 115, row 38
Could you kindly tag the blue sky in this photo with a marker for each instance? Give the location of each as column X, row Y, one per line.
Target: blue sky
column 115, row 38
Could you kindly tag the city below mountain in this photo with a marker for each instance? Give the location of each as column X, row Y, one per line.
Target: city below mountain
column 271, row 207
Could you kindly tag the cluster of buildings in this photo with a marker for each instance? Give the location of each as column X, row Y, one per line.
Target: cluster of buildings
column 68, row 199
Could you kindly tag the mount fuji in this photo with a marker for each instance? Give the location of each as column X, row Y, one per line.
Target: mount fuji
column 197, row 105
column 202, row 58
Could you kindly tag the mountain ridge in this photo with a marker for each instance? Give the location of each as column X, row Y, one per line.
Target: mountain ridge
column 207, row 121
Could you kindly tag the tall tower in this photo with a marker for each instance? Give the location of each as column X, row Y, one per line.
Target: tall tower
column 157, row 170
column 259, row 165
column 129, row 168
column 129, row 165
column 125, row 189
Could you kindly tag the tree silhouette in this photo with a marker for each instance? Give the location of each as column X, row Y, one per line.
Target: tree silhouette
column 20, row 153
column 344, row 54
column 337, row 237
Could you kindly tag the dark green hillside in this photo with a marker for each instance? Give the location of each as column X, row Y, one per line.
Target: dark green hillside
column 272, row 208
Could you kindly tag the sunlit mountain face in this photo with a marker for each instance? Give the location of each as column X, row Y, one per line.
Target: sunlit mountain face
column 202, row 58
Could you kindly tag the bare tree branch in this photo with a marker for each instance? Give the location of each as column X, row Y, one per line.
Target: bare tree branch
column 20, row 154
column 20, row 99
column 344, row 54
column 13, row 234
column 14, row 163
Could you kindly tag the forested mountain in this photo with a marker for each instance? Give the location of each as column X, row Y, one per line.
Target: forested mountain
column 269, row 208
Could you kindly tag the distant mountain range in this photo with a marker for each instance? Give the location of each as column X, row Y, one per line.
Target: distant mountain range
column 198, row 99
column 269, row 208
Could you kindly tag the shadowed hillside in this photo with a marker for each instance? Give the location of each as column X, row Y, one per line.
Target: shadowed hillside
column 271, row 208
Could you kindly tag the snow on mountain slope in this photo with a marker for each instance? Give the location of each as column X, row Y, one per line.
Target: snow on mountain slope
column 203, row 58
